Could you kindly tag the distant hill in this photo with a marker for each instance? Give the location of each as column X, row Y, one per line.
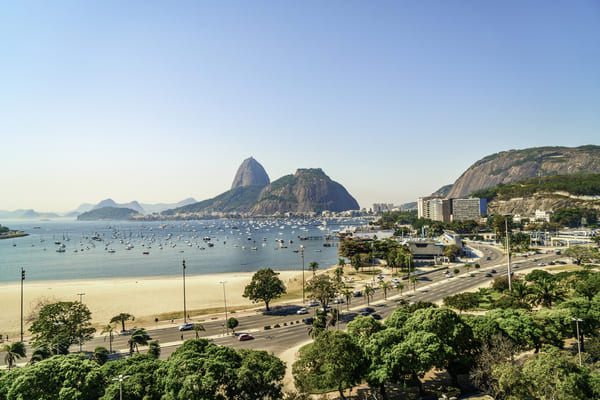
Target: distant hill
column 134, row 205
column 514, row 165
column 107, row 213
column 26, row 214
column 159, row 207
column 250, row 173
column 308, row 190
column 239, row 199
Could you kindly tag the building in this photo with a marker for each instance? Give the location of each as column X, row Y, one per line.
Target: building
column 541, row 215
column 468, row 209
column 382, row 207
column 426, row 252
column 434, row 208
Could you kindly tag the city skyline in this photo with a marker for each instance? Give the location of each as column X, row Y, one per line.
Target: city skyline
column 160, row 102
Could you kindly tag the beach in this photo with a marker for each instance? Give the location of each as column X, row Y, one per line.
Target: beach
column 146, row 298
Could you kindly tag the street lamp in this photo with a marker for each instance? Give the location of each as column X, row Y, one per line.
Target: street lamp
column 80, row 335
column 22, row 279
column 225, row 301
column 57, row 324
column 184, row 309
column 121, row 378
column 302, row 254
column 577, row 321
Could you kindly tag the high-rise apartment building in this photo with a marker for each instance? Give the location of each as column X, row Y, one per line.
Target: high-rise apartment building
column 446, row 210
column 468, row 209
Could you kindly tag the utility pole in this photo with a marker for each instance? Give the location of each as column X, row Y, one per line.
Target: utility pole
column 184, row 308
column 225, row 301
column 302, row 254
column 22, row 279
column 80, row 336
column 508, row 254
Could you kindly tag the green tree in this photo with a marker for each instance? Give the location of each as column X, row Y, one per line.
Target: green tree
column 13, row 352
column 385, row 286
column 518, row 325
column 100, row 355
column 232, row 323
column 582, row 254
column 154, row 349
column 414, row 279
column 462, row 301
column 40, row 353
column 347, row 293
column 369, row 292
column 332, row 361
column 452, row 252
column 265, row 286
column 313, row 266
column 259, row 376
column 321, row 288
column 545, row 292
column 399, row 287
column 339, row 274
column 65, row 322
column 362, row 328
column 108, row 330
column 139, row 337
column 357, row 262
column 198, row 327
column 122, row 318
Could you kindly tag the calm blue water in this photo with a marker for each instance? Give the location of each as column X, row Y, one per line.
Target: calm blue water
column 168, row 243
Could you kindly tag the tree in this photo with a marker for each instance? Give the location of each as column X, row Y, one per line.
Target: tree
column 139, row 337
column 362, row 328
column 265, row 286
column 232, row 323
column 385, row 286
column 582, row 254
column 122, row 318
column 259, row 376
column 332, row 361
column 65, row 322
column 452, row 252
column 369, row 292
column 400, row 287
column 498, row 350
column 544, row 292
column 357, row 262
column 13, row 352
column 108, row 329
column 414, row 279
column 154, row 349
column 197, row 328
column 339, row 273
column 313, row 266
column 347, row 293
column 100, row 355
column 462, row 301
column 321, row 288
column 40, row 353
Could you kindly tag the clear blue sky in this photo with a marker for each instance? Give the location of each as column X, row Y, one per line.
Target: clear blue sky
column 157, row 101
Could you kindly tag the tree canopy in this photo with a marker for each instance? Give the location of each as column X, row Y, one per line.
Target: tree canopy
column 265, row 286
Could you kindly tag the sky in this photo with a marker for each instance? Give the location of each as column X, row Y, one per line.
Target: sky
column 159, row 101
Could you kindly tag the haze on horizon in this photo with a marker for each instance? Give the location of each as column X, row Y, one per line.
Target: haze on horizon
column 158, row 102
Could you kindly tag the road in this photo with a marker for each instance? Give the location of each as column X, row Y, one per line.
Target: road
column 292, row 331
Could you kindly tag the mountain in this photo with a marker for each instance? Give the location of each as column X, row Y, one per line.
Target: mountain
column 308, row 190
column 513, row 165
column 107, row 213
column 160, row 207
column 250, row 173
column 27, row 214
column 134, row 205
column 239, row 199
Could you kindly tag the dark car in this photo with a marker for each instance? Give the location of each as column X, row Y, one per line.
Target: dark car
column 488, row 258
column 357, row 293
column 493, row 271
column 376, row 316
column 367, row 311
column 308, row 321
column 488, row 275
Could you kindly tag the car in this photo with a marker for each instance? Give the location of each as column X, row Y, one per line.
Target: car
column 357, row 293
column 550, row 262
column 308, row 321
column 338, row 301
column 325, row 308
column 245, row 336
column 448, row 275
column 303, row 310
column 488, row 275
column 313, row 304
column 367, row 311
column 187, row 326
column 395, row 280
column 515, row 265
column 493, row 271
column 380, row 277
column 488, row 258
column 376, row 316
column 541, row 264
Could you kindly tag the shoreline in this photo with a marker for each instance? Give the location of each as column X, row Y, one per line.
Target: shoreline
column 143, row 297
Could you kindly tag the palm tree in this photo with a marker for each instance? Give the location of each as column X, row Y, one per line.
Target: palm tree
column 313, row 266
column 108, row 329
column 357, row 262
column 520, row 290
column 368, row 293
column 138, row 338
column 13, row 351
column 197, row 328
column 414, row 279
column 122, row 318
column 347, row 293
column 339, row 273
column 40, row 353
column 544, row 292
column 399, row 287
column 335, row 316
column 341, row 262
column 385, row 286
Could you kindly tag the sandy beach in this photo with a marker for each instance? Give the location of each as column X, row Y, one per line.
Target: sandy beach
column 145, row 298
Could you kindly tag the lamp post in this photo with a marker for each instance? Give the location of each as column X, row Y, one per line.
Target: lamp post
column 302, row 254
column 184, row 309
column 57, row 324
column 225, row 302
column 121, row 378
column 508, row 254
column 577, row 321
column 22, row 279
column 80, row 336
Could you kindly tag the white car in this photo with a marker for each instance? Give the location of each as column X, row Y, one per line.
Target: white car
column 313, row 304
column 448, row 275
column 303, row 310
column 186, row 327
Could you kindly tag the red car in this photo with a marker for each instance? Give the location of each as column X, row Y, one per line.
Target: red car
column 245, row 336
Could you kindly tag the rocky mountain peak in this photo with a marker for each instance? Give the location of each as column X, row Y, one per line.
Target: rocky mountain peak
column 250, row 173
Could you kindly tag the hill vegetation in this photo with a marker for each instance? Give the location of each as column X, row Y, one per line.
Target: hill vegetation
column 579, row 185
column 238, row 199
column 107, row 213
